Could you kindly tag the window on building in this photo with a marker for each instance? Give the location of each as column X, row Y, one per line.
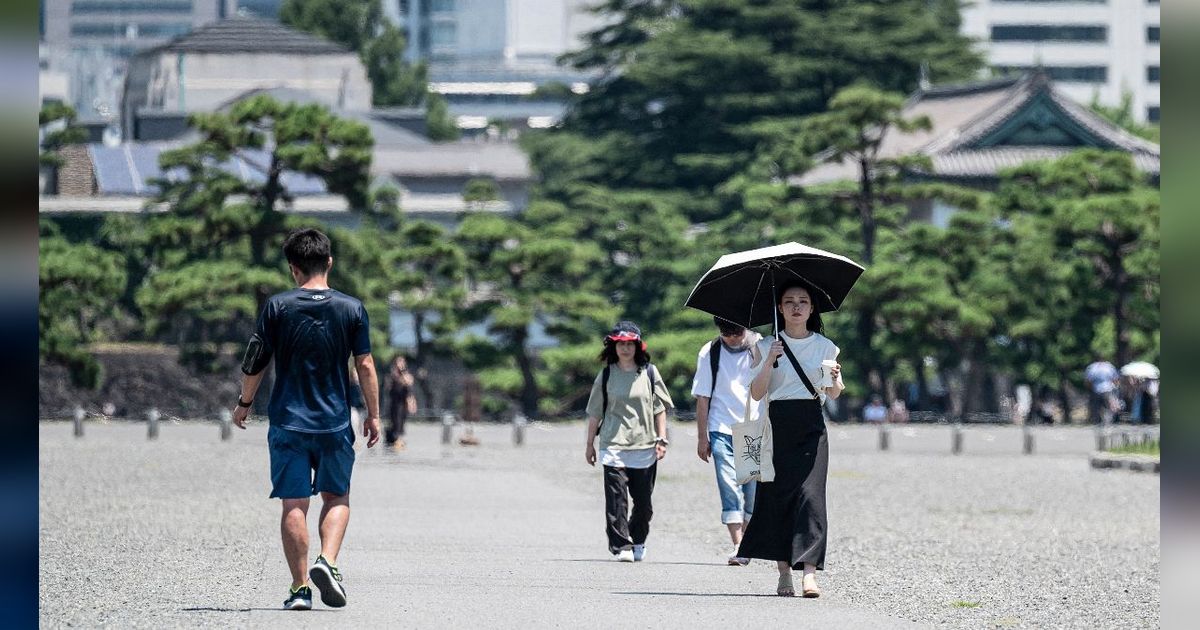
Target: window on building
column 1152, row 113
column 1152, row 74
column 129, row 30
column 1075, row 74
column 1152, row 34
column 93, row 7
column 1048, row 33
column 443, row 34
column 439, row 6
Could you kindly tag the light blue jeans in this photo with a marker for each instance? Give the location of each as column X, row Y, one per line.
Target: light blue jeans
column 737, row 501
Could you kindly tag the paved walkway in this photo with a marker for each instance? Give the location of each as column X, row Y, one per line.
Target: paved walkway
column 179, row 532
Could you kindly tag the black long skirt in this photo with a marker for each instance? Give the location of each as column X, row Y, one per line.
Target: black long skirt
column 789, row 522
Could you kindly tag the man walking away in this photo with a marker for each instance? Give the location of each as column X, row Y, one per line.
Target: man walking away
column 721, row 387
column 311, row 332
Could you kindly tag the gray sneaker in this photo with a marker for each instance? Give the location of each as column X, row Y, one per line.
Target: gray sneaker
column 328, row 580
column 299, row 599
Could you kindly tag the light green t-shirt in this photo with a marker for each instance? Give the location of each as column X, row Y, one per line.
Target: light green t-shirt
column 629, row 422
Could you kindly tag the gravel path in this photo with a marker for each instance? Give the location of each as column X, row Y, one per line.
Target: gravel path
column 179, row 533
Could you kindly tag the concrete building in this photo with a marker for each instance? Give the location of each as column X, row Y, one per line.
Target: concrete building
column 1090, row 48
column 208, row 67
column 488, row 56
column 91, row 40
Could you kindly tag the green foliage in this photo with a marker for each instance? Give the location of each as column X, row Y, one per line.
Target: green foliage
column 480, row 190
column 691, row 87
column 1122, row 116
column 76, row 288
column 360, row 26
column 439, row 124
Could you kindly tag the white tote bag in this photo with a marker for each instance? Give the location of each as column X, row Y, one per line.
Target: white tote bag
column 752, row 447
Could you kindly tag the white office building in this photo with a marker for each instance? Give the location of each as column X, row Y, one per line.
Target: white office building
column 1091, row 48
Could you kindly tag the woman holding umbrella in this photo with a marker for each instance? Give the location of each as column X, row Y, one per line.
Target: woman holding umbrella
column 789, row 524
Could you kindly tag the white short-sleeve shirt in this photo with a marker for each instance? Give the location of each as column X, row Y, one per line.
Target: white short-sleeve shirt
column 810, row 351
column 727, row 405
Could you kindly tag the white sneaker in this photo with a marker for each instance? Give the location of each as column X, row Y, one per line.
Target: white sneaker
column 639, row 553
column 626, row 555
column 737, row 561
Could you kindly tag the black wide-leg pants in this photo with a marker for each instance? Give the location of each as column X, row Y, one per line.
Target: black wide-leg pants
column 627, row 527
column 790, row 521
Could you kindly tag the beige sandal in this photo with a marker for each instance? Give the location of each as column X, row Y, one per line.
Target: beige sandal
column 785, row 587
column 811, row 591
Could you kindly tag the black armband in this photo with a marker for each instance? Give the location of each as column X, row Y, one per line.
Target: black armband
column 257, row 356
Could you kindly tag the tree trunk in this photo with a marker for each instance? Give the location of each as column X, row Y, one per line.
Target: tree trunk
column 866, row 322
column 420, row 368
column 1120, row 285
column 922, row 384
column 529, row 392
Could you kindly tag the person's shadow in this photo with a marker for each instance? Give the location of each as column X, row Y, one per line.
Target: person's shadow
column 217, row 609
column 658, row 593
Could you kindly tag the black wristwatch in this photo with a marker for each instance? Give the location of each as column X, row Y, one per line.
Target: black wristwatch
column 244, row 404
column 662, row 440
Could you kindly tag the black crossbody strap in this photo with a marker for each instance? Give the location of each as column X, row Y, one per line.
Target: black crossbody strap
column 714, row 363
column 796, row 364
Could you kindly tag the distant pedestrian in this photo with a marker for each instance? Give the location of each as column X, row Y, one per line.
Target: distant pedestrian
column 402, row 402
column 310, row 332
column 721, row 387
column 790, row 523
column 1103, row 403
column 874, row 411
column 897, row 411
column 627, row 411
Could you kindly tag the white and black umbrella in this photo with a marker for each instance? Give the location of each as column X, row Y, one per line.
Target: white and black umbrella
column 741, row 287
column 1140, row 369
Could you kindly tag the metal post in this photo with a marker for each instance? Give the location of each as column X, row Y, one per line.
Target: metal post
column 152, row 424
column 78, row 421
column 226, row 425
column 1028, row 434
column 519, row 421
column 956, row 439
column 884, row 437
column 447, row 427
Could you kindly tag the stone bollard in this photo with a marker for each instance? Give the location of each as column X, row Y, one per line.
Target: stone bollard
column 447, row 427
column 956, row 439
column 226, row 425
column 152, row 424
column 1028, row 435
column 884, row 437
column 78, row 421
column 519, row 421
column 1101, row 442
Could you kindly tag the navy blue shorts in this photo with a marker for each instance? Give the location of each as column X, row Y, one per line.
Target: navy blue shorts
column 303, row 464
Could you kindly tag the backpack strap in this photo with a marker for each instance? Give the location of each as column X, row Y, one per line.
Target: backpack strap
column 714, row 361
column 796, row 364
column 650, row 372
column 604, row 394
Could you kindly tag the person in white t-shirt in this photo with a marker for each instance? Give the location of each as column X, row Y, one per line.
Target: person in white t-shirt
column 721, row 387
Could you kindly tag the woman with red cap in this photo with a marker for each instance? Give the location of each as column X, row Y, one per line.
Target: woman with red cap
column 627, row 411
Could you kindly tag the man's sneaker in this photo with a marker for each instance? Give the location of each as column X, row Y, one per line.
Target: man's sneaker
column 328, row 580
column 625, row 555
column 639, row 553
column 299, row 599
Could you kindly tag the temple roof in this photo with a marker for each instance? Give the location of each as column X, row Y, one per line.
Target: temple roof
column 981, row 128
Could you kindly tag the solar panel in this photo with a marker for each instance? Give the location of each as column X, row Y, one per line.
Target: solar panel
column 112, row 170
column 127, row 169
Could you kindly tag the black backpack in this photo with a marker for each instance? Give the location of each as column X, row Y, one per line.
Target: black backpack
column 650, row 371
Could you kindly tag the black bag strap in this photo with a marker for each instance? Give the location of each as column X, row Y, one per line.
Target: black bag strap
column 714, row 361
column 650, row 371
column 796, row 364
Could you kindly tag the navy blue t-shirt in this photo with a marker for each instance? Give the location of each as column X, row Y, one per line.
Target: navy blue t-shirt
column 311, row 334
